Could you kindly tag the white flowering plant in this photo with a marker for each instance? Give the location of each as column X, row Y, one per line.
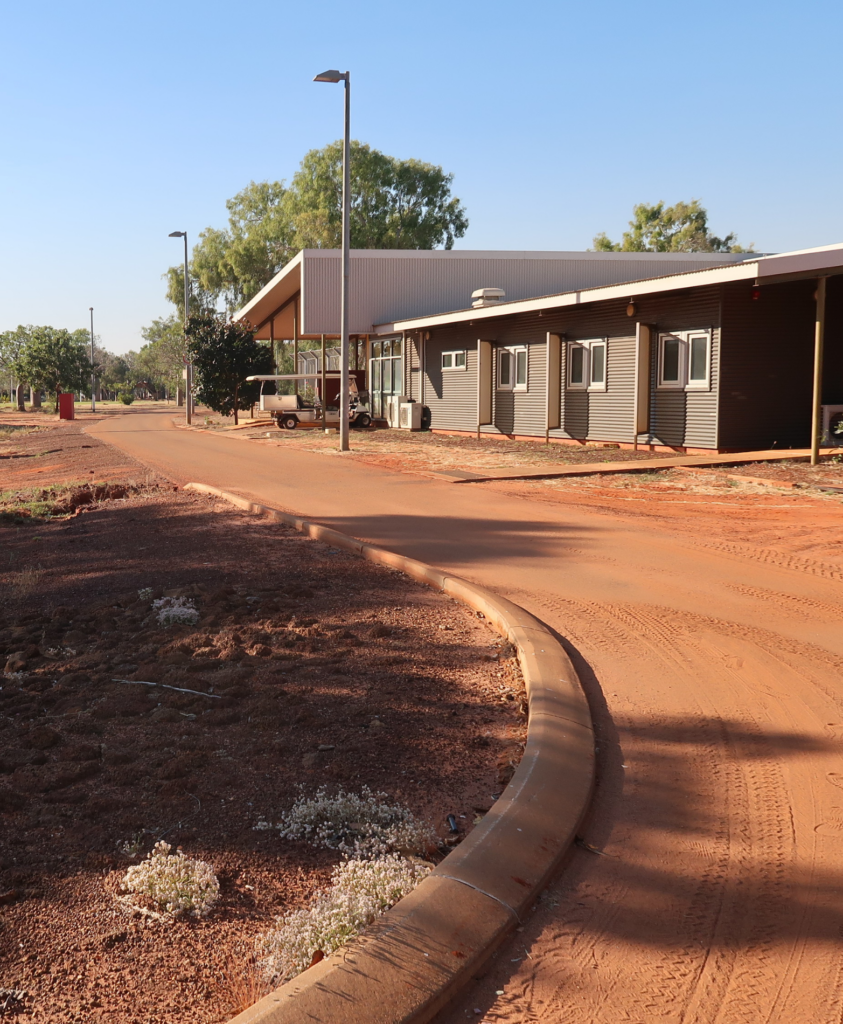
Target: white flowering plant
column 359, row 825
column 176, row 885
column 360, row 891
column 170, row 610
column 145, row 593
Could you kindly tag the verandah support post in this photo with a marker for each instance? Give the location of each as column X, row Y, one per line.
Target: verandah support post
column 296, row 345
column 816, row 406
column 324, row 394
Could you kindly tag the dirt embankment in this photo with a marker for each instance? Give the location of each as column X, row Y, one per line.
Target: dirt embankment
column 307, row 667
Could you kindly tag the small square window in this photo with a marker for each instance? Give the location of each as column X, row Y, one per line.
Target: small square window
column 513, row 368
column 453, row 360
column 587, row 365
column 685, row 360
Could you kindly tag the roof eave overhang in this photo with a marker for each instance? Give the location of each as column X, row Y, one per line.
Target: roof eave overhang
column 274, row 296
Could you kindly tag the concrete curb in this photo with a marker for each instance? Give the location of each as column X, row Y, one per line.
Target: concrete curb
column 419, row 954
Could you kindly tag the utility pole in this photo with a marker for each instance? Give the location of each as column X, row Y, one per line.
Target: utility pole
column 93, row 375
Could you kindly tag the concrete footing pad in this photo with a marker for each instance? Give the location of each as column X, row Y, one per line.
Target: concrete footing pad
column 411, row 962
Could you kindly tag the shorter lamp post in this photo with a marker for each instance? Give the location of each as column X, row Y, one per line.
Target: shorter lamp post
column 93, row 375
column 188, row 398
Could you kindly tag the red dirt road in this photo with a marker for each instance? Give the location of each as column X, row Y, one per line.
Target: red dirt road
column 712, row 651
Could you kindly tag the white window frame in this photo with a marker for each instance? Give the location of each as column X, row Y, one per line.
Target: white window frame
column 701, row 383
column 453, row 365
column 587, row 383
column 684, row 382
column 513, row 351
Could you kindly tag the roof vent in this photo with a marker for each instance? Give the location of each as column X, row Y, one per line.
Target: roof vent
column 487, row 297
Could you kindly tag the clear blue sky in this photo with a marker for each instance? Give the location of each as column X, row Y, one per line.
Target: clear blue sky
column 120, row 123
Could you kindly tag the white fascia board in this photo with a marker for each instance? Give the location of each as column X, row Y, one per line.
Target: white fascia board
column 627, row 290
column 522, row 254
column 257, row 300
column 801, row 262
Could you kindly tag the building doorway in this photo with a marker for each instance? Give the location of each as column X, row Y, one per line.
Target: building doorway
column 386, row 374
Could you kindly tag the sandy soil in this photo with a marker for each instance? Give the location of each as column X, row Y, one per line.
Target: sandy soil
column 425, row 452
column 706, row 630
column 711, row 892
column 323, row 669
column 39, row 450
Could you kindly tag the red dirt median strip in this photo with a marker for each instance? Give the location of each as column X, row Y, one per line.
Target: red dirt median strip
column 419, row 954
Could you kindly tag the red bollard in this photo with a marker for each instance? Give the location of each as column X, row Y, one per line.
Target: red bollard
column 67, row 406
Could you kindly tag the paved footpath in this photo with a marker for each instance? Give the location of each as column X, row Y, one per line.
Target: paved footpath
column 714, row 672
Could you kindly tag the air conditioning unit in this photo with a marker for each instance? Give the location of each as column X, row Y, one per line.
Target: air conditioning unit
column 392, row 409
column 832, row 422
column 410, row 416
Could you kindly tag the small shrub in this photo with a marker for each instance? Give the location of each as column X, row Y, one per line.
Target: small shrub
column 176, row 885
column 145, row 593
column 170, row 610
column 360, row 891
column 359, row 825
column 126, row 397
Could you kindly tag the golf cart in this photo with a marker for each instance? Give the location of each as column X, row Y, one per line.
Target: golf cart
column 290, row 411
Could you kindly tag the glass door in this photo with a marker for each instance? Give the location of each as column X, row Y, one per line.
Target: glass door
column 386, row 374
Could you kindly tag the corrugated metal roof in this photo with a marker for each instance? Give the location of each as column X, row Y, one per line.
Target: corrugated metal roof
column 752, row 266
column 390, row 285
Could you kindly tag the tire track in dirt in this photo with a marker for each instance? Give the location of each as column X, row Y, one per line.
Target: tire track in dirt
column 780, row 559
column 805, row 607
column 722, row 959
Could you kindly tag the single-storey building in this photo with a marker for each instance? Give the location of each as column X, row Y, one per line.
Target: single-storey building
column 302, row 303
column 696, row 359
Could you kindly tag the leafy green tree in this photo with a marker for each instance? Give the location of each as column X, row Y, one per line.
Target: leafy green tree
column 660, row 228
column 396, row 204
column 12, row 347
column 162, row 359
column 224, row 353
column 56, row 360
column 115, row 372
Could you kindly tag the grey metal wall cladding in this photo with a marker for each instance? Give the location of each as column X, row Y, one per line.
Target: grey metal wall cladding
column 451, row 395
column 767, row 363
column 523, row 412
column 682, row 419
column 385, row 289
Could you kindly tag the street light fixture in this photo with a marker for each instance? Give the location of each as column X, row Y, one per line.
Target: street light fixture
column 93, row 375
column 188, row 398
column 334, row 77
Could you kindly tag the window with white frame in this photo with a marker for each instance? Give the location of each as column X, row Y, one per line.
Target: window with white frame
column 453, row 360
column 512, row 368
column 685, row 360
column 587, row 365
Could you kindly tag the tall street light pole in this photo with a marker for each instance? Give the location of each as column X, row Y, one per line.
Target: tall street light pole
column 188, row 397
column 334, row 77
column 93, row 375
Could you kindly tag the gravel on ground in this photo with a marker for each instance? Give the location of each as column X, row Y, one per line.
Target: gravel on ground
column 308, row 667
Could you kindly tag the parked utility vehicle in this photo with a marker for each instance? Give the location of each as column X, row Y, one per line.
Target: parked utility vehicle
column 289, row 411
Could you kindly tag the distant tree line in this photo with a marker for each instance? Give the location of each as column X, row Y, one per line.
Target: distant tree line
column 51, row 360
